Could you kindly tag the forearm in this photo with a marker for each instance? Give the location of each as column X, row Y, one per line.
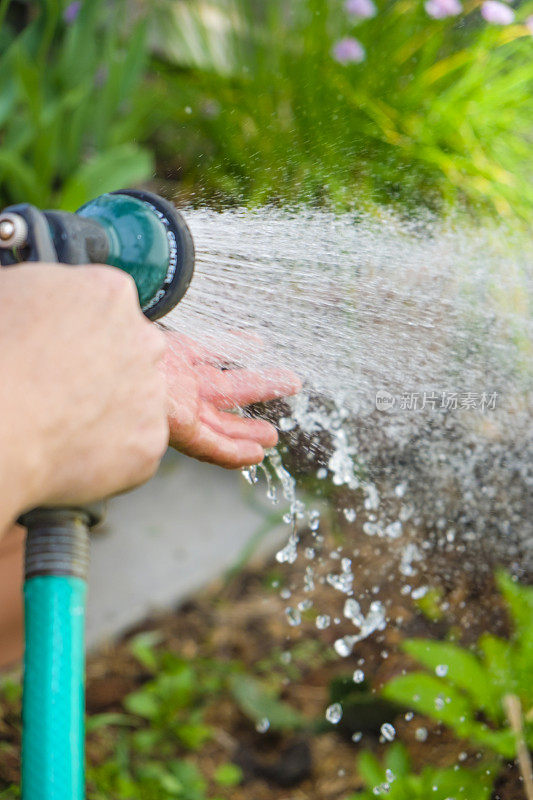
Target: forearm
column 12, row 485
column 19, row 487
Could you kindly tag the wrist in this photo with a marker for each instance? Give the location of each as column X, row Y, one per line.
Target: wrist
column 19, row 472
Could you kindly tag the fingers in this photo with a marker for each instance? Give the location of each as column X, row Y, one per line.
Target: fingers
column 235, row 427
column 216, row 448
column 240, row 387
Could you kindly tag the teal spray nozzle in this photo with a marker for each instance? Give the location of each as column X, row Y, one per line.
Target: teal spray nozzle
column 147, row 237
column 137, row 231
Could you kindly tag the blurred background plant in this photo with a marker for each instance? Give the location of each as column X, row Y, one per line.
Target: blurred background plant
column 68, row 126
column 280, row 103
column 249, row 103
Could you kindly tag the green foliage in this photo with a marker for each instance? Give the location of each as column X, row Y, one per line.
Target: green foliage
column 152, row 780
column 173, row 702
column 228, row 775
column 439, row 111
column 466, row 690
column 260, row 703
column 165, row 717
column 395, row 780
column 70, row 107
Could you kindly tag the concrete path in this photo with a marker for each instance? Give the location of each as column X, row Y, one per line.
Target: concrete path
column 169, row 538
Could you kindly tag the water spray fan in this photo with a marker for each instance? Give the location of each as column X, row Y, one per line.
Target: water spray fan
column 147, row 237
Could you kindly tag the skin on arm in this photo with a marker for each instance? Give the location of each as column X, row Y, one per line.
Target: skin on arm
column 82, row 395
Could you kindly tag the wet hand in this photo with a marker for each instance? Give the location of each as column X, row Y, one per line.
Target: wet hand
column 201, row 396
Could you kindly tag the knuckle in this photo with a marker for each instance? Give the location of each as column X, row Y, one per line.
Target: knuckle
column 116, row 282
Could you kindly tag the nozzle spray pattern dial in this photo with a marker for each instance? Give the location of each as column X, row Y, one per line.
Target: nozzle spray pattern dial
column 150, row 240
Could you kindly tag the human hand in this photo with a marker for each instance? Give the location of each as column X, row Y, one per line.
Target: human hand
column 199, row 396
column 82, row 396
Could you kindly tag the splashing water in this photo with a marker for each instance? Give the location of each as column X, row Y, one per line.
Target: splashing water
column 414, row 341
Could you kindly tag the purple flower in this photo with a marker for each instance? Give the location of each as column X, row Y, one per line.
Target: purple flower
column 71, row 12
column 529, row 24
column 101, row 76
column 348, row 51
column 364, row 9
column 497, row 13
column 440, row 9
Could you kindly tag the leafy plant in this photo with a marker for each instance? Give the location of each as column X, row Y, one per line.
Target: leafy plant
column 152, row 780
column 396, row 780
column 173, row 702
column 259, row 109
column 466, row 690
column 70, row 106
column 260, row 703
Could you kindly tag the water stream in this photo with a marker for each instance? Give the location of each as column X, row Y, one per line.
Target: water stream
column 414, row 342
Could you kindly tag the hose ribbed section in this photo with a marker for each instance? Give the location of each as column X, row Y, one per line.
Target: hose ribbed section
column 57, row 542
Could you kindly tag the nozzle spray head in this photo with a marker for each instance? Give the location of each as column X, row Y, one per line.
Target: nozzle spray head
column 137, row 231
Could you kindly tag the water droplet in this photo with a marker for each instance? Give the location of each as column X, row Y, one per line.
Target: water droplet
column 421, row 734
column 334, row 713
column 350, row 514
column 343, row 647
column 293, row 616
column 358, row 676
column 357, row 736
column 409, row 716
column 441, row 670
column 323, row 621
column 263, row 725
column 286, row 423
column 388, row 731
column 394, row 530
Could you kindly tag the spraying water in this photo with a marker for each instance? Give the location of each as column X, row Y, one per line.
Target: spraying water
column 414, row 342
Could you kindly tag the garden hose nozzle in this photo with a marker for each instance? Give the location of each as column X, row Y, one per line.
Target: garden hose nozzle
column 137, row 231
column 146, row 237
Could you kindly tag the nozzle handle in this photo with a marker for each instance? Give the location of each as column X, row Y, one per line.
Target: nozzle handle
column 51, row 236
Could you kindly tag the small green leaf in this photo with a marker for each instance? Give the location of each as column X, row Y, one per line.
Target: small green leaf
column 259, row 703
column 143, row 703
column 519, row 599
column 143, row 648
column 97, row 721
column 397, row 759
column 228, row 775
column 370, row 768
column 464, row 670
column 431, row 696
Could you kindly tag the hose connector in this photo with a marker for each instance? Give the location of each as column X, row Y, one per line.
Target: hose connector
column 58, row 540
